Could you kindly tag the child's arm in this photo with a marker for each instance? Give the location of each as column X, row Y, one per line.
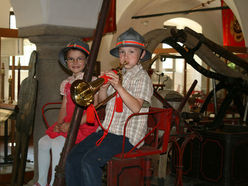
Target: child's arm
column 133, row 103
column 103, row 93
column 62, row 114
column 62, row 111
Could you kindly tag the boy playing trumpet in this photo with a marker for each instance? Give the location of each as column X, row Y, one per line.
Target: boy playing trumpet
column 85, row 161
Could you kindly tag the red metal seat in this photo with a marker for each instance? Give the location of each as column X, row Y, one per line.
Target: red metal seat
column 134, row 168
column 136, row 162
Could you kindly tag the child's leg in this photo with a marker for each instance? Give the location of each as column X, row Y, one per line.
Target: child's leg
column 44, row 146
column 85, row 161
column 57, row 146
column 92, row 162
column 72, row 166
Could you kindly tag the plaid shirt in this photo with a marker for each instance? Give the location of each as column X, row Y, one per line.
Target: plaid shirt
column 137, row 82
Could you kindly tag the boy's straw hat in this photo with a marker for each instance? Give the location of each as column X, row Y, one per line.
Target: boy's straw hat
column 74, row 44
column 130, row 38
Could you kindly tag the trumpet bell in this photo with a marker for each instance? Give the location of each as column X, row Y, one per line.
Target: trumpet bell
column 82, row 92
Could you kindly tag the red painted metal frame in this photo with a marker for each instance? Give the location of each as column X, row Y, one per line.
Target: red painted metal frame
column 43, row 111
column 130, row 171
column 137, row 162
column 208, row 140
column 164, row 123
column 180, row 151
column 158, row 120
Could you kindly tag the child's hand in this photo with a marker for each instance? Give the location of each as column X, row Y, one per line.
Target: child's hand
column 106, row 85
column 114, row 80
column 57, row 127
column 64, row 127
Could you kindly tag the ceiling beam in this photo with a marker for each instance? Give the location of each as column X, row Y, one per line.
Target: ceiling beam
column 6, row 32
column 181, row 12
column 164, row 50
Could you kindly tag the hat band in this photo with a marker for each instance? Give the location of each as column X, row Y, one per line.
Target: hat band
column 129, row 42
column 74, row 45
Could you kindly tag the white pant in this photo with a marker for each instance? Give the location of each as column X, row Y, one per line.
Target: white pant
column 45, row 144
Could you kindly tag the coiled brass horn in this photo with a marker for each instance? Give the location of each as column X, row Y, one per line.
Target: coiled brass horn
column 82, row 92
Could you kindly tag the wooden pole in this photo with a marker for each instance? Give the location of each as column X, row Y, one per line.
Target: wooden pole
column 208, row 82
column 2, row 75
column 2, row 82
column 18, row 76
column 185, row 78
column 186, row 97
column 78, row 112
column 13, row 81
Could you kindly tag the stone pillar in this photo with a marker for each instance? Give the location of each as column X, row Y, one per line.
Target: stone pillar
column 49, row 40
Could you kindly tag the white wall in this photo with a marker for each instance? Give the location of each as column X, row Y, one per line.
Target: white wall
column 73, row 13
column 4, row 14
column 85, row 12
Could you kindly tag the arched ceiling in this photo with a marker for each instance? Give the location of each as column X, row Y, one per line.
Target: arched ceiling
column 161, row 6
column 210, row 21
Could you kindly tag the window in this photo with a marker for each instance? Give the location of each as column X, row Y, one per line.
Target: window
column 18, row 52
column 12, row 19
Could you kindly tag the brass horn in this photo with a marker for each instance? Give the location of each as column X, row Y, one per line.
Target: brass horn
column 82, row 92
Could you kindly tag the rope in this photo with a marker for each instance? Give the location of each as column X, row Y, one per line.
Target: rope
column 105, row 130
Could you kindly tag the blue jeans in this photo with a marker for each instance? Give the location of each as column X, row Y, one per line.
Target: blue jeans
column 85, row 161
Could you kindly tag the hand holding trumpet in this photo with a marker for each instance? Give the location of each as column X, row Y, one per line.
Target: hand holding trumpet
column 82, row 93
column 113, row 79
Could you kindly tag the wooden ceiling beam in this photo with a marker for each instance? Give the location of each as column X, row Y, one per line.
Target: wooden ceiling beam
column 235, row 49
column 164, row 50
column 6, row 32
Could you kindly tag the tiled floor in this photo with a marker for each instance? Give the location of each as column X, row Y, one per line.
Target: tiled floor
column 6, row 169
column 5, row 172
column 6, row 164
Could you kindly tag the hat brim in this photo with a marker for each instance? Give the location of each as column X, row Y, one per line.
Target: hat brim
column 115, row 52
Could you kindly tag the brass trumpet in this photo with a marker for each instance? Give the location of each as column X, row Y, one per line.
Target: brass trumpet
column 82, row 92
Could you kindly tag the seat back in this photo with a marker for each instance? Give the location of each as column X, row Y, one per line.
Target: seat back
column 49, row 106
column 56, row 106
column 157, row 136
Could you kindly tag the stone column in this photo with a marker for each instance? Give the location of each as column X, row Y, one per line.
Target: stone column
column 49, row 40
